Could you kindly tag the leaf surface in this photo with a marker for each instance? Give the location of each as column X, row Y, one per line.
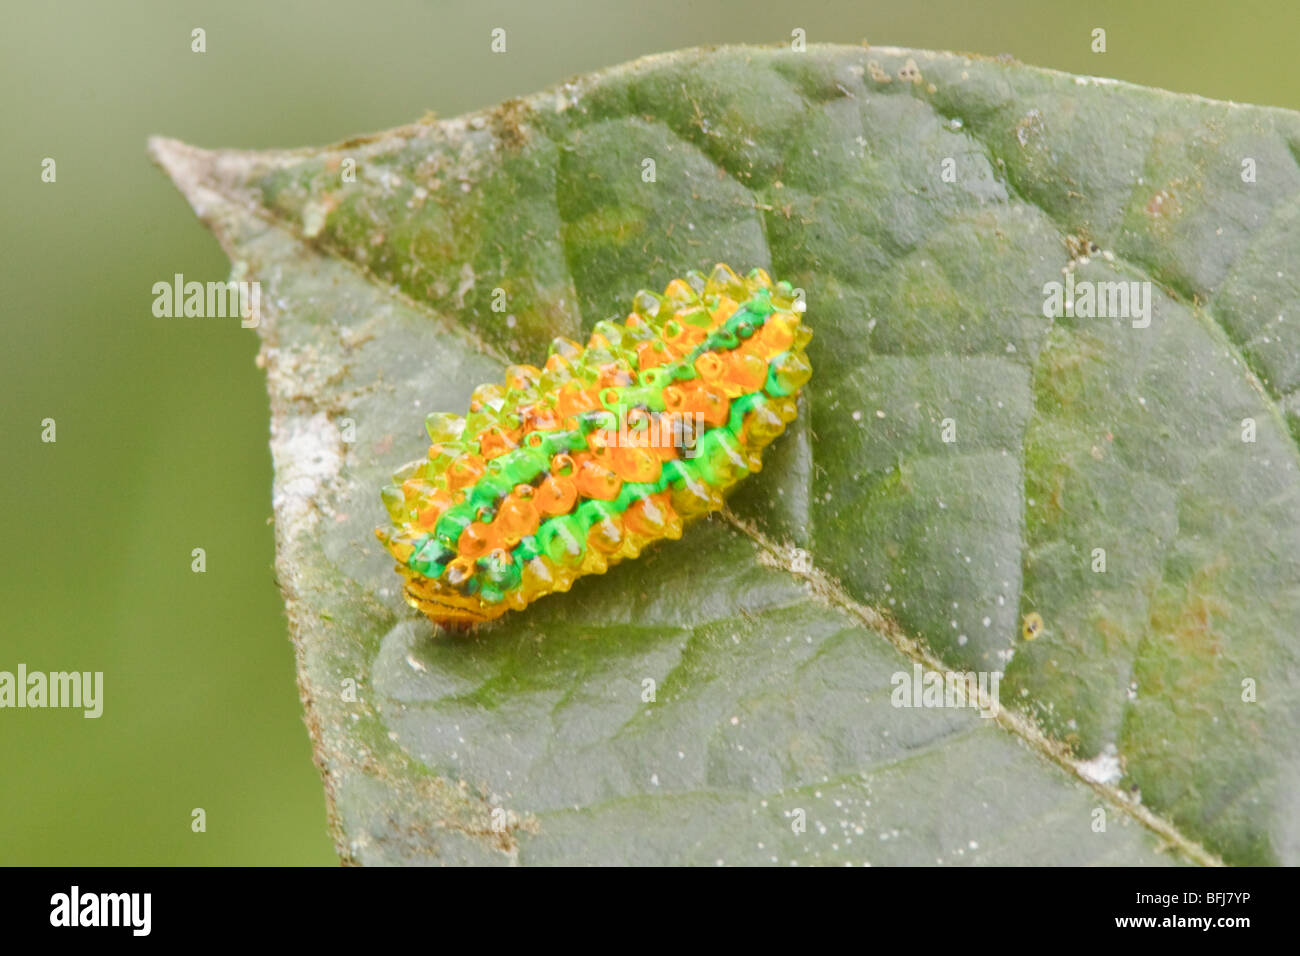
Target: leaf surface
column 923, row 202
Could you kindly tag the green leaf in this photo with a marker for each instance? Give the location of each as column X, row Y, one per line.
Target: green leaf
column 868, row 544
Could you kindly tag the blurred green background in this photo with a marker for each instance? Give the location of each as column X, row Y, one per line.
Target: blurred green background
column 162, row 423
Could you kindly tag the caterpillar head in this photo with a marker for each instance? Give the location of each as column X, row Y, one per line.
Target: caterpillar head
column 447, row 607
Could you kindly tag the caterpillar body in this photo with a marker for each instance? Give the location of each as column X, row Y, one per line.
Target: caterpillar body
column 565, row 470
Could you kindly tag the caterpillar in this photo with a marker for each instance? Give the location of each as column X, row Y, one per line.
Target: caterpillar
column 565, row 470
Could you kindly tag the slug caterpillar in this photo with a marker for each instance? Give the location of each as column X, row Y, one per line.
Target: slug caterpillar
column 564, row 470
